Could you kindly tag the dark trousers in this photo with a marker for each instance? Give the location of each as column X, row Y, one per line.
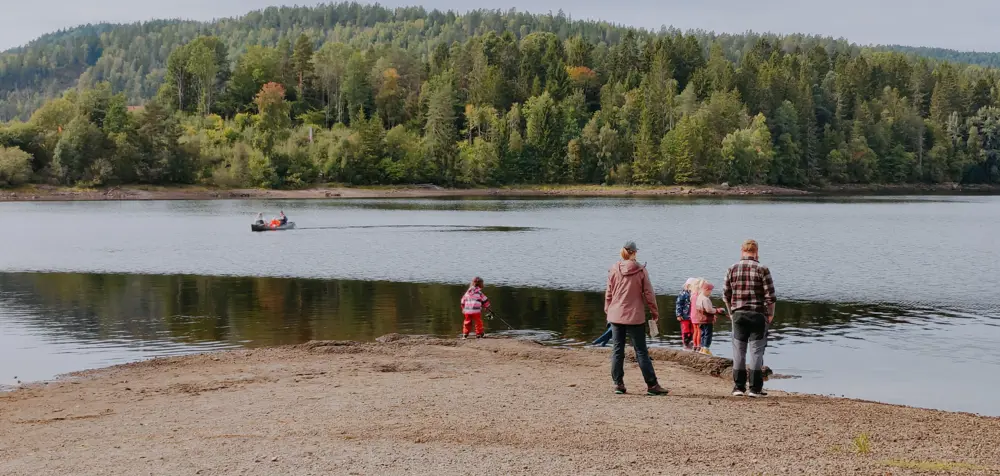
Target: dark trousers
column 637, row 334
column 749, row 336
column 706, row 335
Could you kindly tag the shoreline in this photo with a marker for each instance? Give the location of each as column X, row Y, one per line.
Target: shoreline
column 137, row 193
column 407, row 405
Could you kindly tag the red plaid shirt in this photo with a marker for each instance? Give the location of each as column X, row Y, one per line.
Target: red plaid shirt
column 749, row 287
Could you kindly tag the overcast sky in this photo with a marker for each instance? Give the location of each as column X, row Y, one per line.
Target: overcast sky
column 958, row 24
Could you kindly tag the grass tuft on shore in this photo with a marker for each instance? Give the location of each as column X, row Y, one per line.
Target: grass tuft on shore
column 862, row 444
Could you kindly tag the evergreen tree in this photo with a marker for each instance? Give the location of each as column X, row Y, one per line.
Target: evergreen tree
column 544, row 138
column 440, row 133
column 301, row 61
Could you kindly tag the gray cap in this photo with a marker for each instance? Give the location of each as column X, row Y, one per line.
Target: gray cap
column 630, row 245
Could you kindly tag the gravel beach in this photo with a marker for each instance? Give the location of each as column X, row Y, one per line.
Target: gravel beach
column 442, row 407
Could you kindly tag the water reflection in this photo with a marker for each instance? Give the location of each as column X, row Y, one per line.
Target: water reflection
column 52, row 323
column 259, row 311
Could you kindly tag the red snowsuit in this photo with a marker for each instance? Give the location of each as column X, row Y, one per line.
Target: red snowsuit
column 473, row 303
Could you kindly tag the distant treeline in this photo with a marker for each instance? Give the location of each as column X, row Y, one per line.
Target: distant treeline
column 367, row 95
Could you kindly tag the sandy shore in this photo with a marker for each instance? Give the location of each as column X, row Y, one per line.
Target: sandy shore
column 50, row 193
column 425, row 406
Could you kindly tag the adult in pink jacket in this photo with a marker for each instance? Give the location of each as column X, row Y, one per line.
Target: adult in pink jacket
column 629, row 292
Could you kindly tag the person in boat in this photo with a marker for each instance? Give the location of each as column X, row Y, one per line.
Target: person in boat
column 280, row 220
column 260, row 219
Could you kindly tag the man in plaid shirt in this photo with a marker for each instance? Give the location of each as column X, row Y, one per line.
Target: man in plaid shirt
column 749, row 292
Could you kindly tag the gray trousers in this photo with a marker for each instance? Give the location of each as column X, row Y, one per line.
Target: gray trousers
column 749, row 335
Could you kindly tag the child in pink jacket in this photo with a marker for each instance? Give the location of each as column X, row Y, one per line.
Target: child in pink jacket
column 703, row 313
column 474, row 302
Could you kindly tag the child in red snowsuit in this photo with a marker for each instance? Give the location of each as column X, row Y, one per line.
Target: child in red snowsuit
column 473, row 304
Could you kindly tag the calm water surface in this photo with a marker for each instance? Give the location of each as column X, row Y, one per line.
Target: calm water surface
column 891, row 299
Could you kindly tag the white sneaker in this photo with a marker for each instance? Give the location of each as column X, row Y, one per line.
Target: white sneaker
column 753, row 394
column 738, row 393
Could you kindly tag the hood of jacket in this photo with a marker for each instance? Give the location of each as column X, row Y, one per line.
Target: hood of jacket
column 629, row 267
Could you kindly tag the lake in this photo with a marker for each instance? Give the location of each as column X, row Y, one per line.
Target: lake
column 883, row 298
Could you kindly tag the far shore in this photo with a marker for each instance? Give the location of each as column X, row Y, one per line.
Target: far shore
column 419, row 405
column 193, row 192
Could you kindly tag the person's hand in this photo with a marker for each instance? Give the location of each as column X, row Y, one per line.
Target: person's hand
column 770, row 319
column 656, row 318
column 679, row 318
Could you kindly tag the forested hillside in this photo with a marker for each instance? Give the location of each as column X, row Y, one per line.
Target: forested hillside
column 133, row 58
column 287, row 97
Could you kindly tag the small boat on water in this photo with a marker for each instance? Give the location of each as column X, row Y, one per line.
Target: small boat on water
column 268, row 227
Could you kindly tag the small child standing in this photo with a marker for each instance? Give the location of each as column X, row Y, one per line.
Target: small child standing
column 683, row 311
column 473, row 304
column 703, row 313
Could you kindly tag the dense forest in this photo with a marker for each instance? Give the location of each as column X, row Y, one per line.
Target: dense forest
column 289, row 97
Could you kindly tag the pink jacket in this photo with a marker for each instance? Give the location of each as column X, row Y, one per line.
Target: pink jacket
column 474, row 301
column 628, row 289
column 702, row 310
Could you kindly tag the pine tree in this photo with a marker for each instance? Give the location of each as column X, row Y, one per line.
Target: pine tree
column 646, row 167
column 544, row 137
column 301, row 62
column 787, row 167
column 579, row 51
column 947, row 95
column 357, row 85
column 440, row 133
column 678, row 164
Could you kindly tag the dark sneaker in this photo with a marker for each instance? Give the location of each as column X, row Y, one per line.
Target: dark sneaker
column 656, row 390
column 619, row 390
column 480, row 336
column 738, row 393
column 465, row 336
column 757, row 394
